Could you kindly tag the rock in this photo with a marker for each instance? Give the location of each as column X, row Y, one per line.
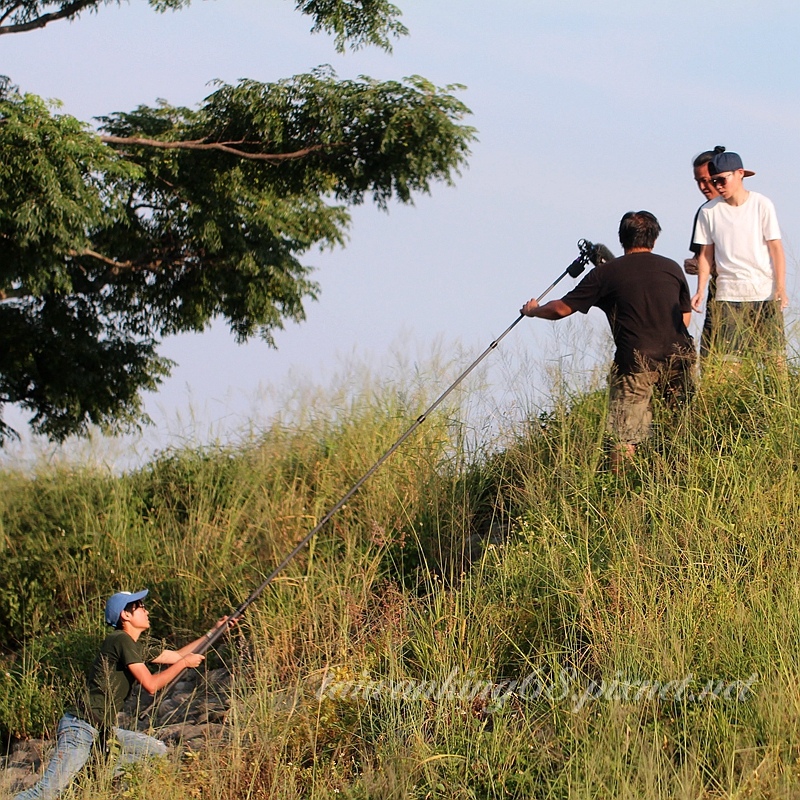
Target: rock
column 23, row 765
column 216, row 716
column 15, row 779
column 193, row 737
column 29, row 753
column 216, row 679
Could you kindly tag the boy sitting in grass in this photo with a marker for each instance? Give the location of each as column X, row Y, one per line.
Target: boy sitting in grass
column 118, row 667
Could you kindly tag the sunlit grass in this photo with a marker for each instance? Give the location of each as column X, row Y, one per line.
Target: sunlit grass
column 496, row 613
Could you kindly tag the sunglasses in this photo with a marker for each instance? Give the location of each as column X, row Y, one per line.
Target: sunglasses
column 721, row 180
column 131, row 607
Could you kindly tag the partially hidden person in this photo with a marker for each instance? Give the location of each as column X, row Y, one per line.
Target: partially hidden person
column 709, row 191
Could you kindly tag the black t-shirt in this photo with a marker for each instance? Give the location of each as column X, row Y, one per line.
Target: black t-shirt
column 693, row 246
column 644, row 296
column 110, row 681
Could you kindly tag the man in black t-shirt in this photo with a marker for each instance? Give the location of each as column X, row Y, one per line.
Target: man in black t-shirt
column 709, row 191
column 646, row 300
column 119, row 666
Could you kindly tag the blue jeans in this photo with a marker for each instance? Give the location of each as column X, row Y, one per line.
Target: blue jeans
column 73, row 748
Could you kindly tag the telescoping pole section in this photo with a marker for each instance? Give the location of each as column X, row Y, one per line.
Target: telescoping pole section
column 596, row 253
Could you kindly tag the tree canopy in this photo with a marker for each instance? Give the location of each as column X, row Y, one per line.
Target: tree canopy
column 164, row 218
column 353, row 22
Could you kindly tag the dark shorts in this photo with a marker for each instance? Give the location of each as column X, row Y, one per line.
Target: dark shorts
column 747, row 329
column 630, row 404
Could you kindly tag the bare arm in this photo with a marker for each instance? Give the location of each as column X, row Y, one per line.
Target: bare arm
column 152, row 683
column 555, row 309
column 173, row 656
column 687, row 318
column 167, row 657
column 704, row 261
column 775, row 247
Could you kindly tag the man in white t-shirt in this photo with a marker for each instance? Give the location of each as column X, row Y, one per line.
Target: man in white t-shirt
column 738, row 231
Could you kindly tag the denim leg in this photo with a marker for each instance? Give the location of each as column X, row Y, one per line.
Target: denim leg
column 73, row 747
column 136, row 746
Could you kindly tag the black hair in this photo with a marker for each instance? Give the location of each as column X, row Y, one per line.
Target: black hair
column 638, row 229
column 707, row 155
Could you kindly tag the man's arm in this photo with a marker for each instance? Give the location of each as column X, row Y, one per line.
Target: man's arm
column 704, row 261
column 776, row 254
column 167, row 657
column 152, row 683
column 172, row 656
column 555, row 309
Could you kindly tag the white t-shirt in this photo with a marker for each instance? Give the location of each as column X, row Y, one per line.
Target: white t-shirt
column 740, row 235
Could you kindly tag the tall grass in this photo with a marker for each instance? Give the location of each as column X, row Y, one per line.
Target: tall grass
column 491, row 619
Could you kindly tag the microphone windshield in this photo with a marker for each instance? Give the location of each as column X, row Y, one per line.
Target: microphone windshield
column 599, row 254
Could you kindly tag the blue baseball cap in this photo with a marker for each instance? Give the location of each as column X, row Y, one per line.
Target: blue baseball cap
column 727, row 162
column 115, row 604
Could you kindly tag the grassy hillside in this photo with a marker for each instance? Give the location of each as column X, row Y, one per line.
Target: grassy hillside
column 507, row 620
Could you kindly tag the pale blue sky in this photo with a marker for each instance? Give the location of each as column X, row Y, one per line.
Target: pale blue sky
column 584, row 110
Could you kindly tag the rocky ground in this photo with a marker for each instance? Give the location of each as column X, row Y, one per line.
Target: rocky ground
column 191, row 716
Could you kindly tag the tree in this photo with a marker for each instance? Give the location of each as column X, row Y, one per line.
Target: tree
column 166, row 218
column 357, row 22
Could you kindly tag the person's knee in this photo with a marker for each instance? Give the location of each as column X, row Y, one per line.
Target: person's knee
column 137, row 745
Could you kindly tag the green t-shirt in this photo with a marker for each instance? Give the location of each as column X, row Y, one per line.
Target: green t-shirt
column 110, row 681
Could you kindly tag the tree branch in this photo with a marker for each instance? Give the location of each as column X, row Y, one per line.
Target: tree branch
column 69, row 10
column 158, row 261
column 10, row 11
column 116, row 265
column 223, row 147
